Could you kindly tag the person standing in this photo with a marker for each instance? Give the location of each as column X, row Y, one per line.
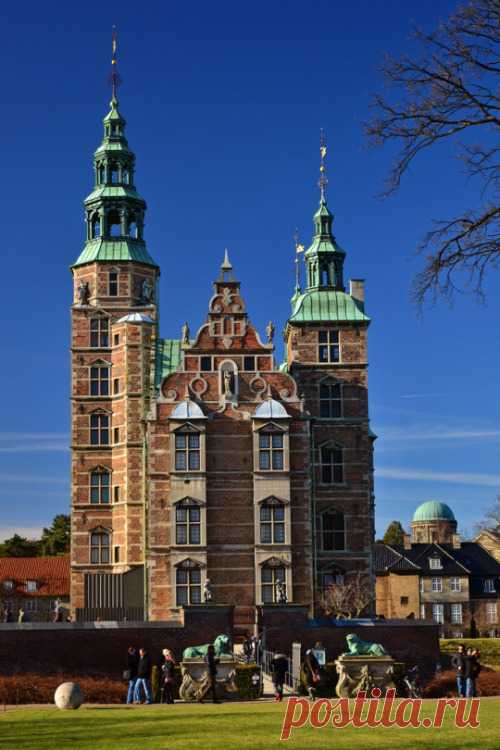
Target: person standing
column 21, row 617
column 312, row 672
column 470, row 673
column 143, row 677
column 168, row 675
column 459, row 664
column 211, row 661
column 279, row 666
column 131, row 672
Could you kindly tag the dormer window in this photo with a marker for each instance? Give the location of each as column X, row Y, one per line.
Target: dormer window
column 489, row 586
column 435, row 563
column 31, row 587
column 8, row 585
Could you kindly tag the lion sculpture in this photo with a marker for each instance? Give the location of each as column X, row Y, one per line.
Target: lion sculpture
column 358, row 647
column 222, row 648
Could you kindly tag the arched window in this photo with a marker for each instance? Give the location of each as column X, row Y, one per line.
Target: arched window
column 330, row 400
column 271, row 450
column 114, row 224
column 100, row 543
column 125, row 175
column 113, row 173
column 99, row 428
column 100, row 481
column 331, row 531
column 270, row 576
column 113, row 284
column 272, row 521
column 187, row 522
column 188, row 583
column 187, row 451
column 132, row 226
column 99, row 380
column 95, row 225
column 331, row 464
column 99, row 333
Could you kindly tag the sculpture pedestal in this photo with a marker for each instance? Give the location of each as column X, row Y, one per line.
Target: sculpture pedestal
column 196, row 681
column 362, row 673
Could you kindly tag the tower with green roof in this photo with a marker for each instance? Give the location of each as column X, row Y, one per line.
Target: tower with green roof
column 113, row 358
column 326, row 353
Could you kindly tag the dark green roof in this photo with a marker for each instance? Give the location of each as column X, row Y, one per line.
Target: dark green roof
column 114, row 191
column 324, row 305
column 433, row 510
column 324, row 245
column 124, row 248
column 168, row 358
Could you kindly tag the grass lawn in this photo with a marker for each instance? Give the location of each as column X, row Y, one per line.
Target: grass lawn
column 255, row 726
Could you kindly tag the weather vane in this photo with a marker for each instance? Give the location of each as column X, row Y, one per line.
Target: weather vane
column 114, row 76
column 299, row 248
column 323, row 179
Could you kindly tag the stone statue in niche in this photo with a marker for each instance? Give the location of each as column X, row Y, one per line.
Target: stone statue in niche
column 185, row 333
column 270, row 331
column 280, row 592
column 228, row 382
column 147, row 291
column 207, row 591
column 83, row 292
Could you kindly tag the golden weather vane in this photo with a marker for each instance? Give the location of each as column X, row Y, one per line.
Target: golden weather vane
column 114, row 76
column 323, row 179
column 299, row 248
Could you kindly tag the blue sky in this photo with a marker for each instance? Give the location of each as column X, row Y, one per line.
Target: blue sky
column 224, row 102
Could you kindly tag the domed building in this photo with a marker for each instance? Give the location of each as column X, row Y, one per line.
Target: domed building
column 433, row 522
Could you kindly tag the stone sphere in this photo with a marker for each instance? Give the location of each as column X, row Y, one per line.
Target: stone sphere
column 68, row 695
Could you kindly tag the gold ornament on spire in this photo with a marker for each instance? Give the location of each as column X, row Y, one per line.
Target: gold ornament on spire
column 323, row 179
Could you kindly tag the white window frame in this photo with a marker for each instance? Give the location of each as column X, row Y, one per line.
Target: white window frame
column 31, row 586
column 188, row 504
column 456, row 615
column 455, row 584
column 332, row 343
column 435, row 563
column 491, row 612
column 437, row 584
column 99, row 331
column 489, row 586
column 189, row 567
column 438, row 613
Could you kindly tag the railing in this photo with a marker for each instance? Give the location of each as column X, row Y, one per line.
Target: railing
column 267, row 668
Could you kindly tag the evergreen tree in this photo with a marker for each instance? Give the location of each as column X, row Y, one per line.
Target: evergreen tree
column 394, row 533
column 19, row 546
column 56, row 539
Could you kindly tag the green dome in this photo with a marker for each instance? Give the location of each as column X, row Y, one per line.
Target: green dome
column 433, row 511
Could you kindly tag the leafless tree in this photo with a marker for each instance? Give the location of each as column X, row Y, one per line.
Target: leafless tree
column 449, row 91
column 348, row 598
column 491, row 520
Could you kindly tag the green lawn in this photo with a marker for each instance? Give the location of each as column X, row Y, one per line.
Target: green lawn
column 255, row 726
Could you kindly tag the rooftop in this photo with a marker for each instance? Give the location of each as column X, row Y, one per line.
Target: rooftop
column 50, row 573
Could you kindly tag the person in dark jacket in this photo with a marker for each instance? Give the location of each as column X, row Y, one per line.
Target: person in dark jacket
column 168, row 675
column 211, row 662
column 279, row 666
column 459, row 664
column 132, row 662
column 143, row 677
column 311, row 669
column 471, row 671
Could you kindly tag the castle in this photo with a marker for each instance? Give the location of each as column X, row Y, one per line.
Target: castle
column 201, row 469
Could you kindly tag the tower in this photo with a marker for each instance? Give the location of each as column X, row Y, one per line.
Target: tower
column 433, row 522
column 326, row 344
column 113, row 333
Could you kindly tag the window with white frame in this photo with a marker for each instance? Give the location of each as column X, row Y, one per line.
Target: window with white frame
column 99, row 380
column 330, row 578
column 270, row 576
column 271, row 450
column 99, row 429
column 436, row 584
column 272, row 521
column 100, row 543
column 435, row 563
column 489, row 586
column 328, row 346
column 330, row 400
column 332, row 464
column 438, row 613
column 31, row 586
column 456, row 614
column 491, row 612
column 187, row 451
column 187, row 522
column 331, row 531
column 31, row 605
column 188, row 584
column 100, row 482
column 455, row 584
column 422, row 585
column 99, row 333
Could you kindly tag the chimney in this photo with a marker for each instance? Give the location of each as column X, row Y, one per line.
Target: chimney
column 357, row 291
column 456, row 541
column 407, row 541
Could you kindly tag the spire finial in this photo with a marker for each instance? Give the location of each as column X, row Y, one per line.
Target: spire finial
column 114, row 76
column 226, row 265
column 323, row 179
column 299, row 248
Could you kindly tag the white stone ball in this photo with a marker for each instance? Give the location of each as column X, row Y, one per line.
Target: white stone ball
column 68, row 695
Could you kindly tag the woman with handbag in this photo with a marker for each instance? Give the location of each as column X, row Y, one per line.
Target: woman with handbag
column 130, row 673
column 168, row 675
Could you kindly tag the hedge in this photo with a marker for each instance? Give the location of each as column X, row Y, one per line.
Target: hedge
column 489, row 648
column 445, row 686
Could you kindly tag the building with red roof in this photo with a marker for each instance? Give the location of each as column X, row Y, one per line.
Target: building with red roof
column 37, row 585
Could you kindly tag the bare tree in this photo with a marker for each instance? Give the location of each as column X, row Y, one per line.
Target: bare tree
column 450, row 92
column 348, row 598
column 491, row 520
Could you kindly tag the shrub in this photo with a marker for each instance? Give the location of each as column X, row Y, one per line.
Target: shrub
column 248, row 689
column 445, row 686
column 326, row 687
column 489, row 647
column 33, row 688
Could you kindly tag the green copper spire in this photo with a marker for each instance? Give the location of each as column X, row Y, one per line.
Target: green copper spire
column 324, row 298
column 114, row 210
